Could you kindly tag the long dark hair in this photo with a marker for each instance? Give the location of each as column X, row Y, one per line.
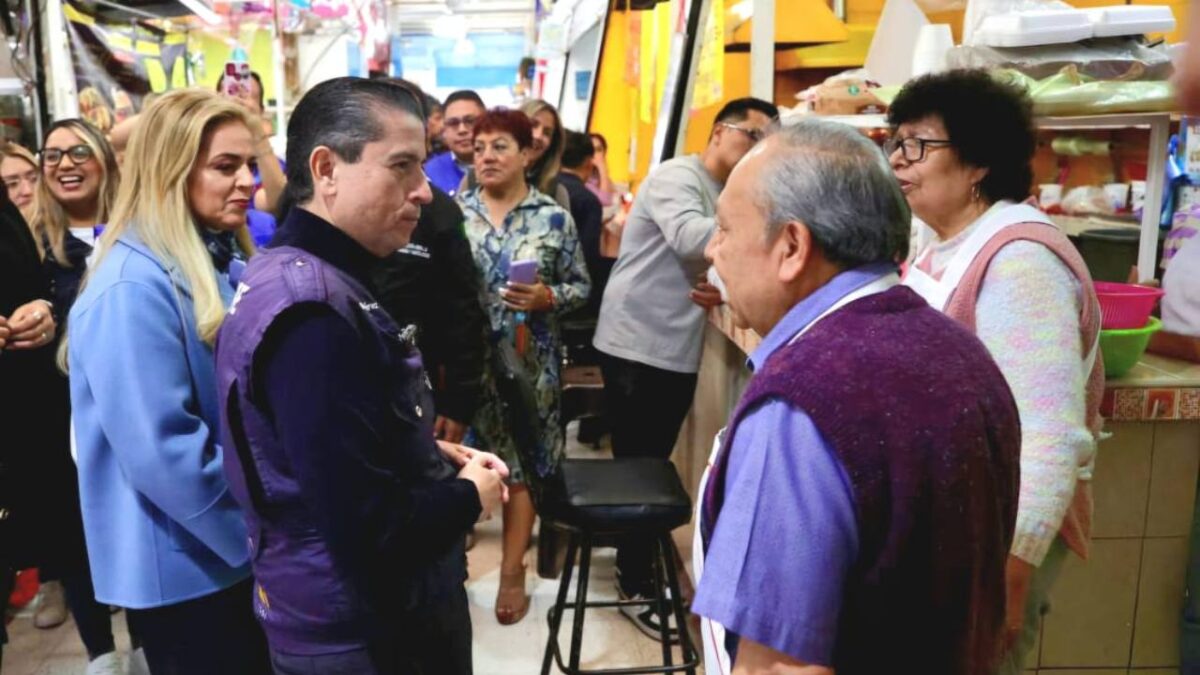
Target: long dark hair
column 545, row 171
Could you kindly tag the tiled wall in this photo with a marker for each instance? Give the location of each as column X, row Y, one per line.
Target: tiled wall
column 1119, row 612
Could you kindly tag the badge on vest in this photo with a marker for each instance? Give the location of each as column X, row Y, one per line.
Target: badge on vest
column 417, row 251
column 264, row 602
column 408, row 335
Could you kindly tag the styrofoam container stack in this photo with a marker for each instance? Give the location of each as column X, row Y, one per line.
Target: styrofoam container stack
column 1130, row 20
column 1036, row 27
column 1059, row 26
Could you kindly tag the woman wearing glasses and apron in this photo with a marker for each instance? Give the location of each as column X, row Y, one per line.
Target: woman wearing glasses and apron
column 961, row 149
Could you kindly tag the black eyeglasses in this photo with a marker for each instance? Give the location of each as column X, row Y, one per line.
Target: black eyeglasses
column 78, row 154
column 913, row 148
column 755, row 135
column 455, row 122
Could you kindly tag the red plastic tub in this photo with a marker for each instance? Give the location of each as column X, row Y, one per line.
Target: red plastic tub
column 1125, row 306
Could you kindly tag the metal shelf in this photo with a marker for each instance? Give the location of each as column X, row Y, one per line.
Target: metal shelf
column 1119, row 121
column 856, row 121
column 1159, row 124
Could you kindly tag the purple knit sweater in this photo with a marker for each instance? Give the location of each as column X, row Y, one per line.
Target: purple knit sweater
column 926, row 428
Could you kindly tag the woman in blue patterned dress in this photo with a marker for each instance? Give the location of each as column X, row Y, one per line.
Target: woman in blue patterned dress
column 508, row 221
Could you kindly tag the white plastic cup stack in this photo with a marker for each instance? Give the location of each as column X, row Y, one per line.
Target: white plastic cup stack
column 1118, row 194
column 929, row 54
column 1137, row 196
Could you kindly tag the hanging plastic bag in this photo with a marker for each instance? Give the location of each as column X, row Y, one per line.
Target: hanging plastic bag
column 1121, row 58
column 1070, row 93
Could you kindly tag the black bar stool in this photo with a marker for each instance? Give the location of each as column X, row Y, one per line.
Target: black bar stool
column 603, row 499
column 600, row 499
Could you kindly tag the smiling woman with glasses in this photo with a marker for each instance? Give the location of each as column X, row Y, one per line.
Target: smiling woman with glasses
column 78, row 154
column 962, row 148
column 78, row 186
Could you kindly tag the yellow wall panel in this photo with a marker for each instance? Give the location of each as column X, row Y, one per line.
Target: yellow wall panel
column 737, row 85
column 614, row 101
column 863, row 11
column 647, row 71
column 619, row 104
column 850, row 53
column 954, row 18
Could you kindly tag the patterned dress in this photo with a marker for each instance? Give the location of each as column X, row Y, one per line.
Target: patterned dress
column 536, row 229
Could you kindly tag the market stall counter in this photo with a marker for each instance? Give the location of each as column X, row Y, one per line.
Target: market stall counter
column 1120, row 610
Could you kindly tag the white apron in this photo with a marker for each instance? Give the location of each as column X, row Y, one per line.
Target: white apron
column 937, row 292
column 712, row 634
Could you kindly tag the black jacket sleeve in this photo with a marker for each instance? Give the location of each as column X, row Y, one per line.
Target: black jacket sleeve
column 34, row 405
column 588, row 214
column 434, row 284
column 456, row 320
column 22, row 278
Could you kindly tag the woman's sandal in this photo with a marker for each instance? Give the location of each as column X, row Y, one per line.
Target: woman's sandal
column 512, row 604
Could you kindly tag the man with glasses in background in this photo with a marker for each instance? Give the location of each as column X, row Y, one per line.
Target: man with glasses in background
column 446, row 171
column 652, row 317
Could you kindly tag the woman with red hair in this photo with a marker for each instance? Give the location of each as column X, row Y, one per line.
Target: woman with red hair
column 527, row 250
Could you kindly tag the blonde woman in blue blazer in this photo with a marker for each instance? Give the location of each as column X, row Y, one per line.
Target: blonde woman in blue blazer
column 165, row 538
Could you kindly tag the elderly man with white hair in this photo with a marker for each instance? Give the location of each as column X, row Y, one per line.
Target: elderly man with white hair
column 859, row 507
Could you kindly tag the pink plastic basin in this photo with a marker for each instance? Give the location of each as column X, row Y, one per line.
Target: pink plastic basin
column 1125, row 306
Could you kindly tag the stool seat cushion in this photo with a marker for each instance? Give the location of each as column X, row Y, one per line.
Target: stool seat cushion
column 617, row 495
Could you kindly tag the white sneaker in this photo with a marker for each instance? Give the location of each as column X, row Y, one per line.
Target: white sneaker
column 109, row 664
column 646, row 618
column 137, row 664
column 52, row 606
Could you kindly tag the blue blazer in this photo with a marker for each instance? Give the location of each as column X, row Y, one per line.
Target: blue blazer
column 161, row 525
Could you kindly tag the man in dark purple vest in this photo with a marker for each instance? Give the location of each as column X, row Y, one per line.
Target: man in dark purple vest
column 859, row 509
column 357, row 516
